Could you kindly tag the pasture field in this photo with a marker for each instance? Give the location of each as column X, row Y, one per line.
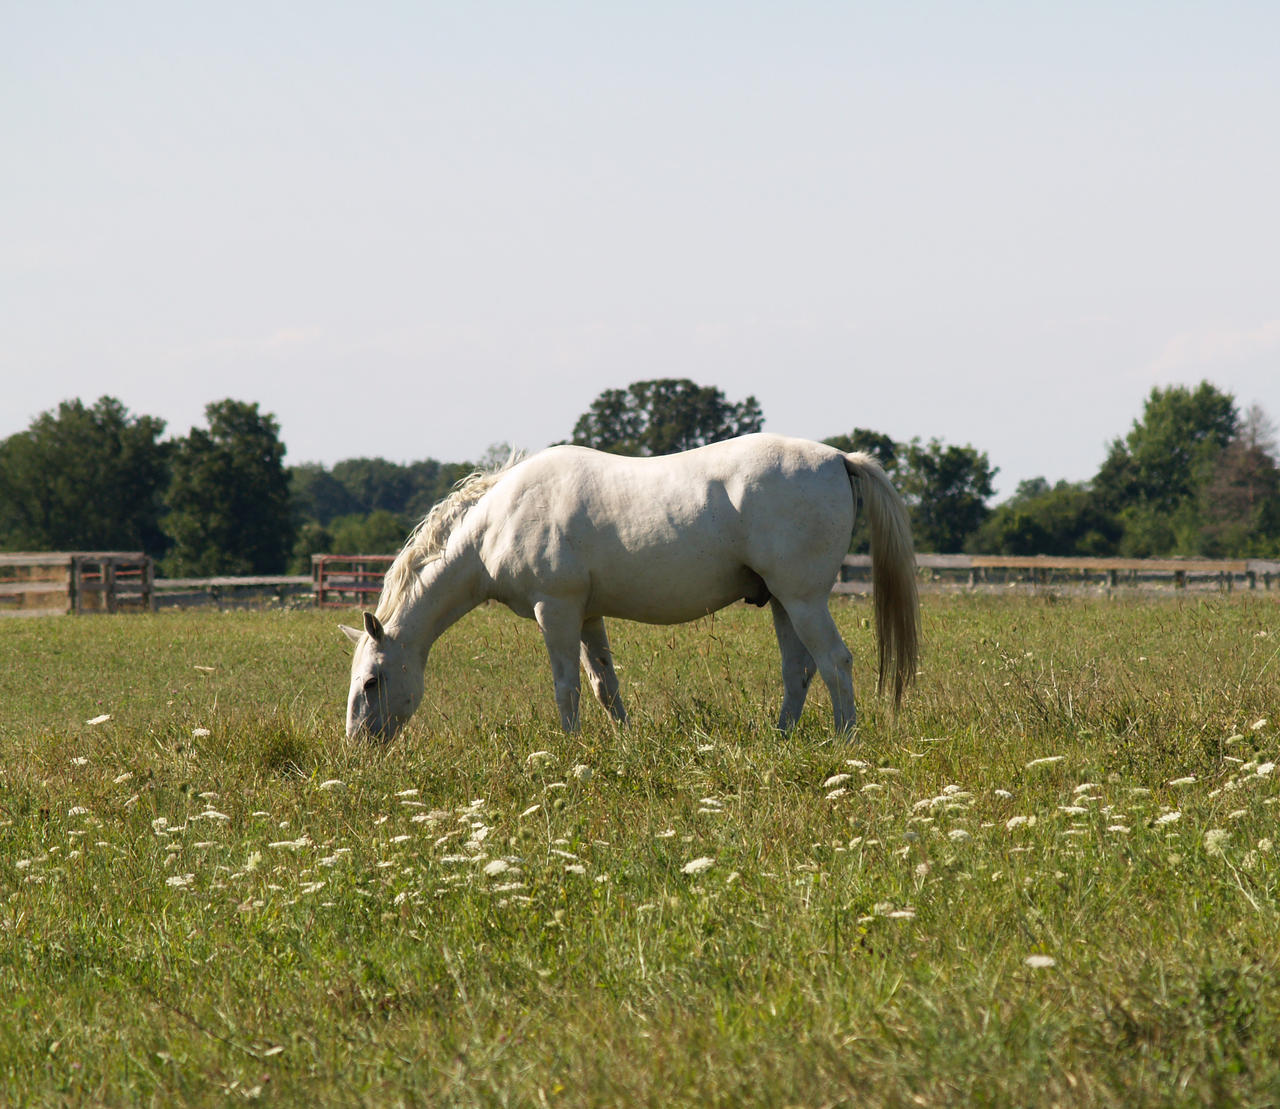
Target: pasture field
column 1053, row 879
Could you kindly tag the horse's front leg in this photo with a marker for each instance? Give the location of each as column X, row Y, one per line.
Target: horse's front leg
column 597, row 660
column 561, row 624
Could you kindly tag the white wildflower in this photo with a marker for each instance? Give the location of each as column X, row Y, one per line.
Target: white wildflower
column 1265, row 769
column 99, row 720
column 1047, row 760
column 201, row 733
column 1189, row 780
column 574, row 868
column 332, row 783
column 77, row 810
column 698, row 865
column 496, row 867
column 539, row 758
column 1215, row 841
column 582, row 772
column 79, row 760
column 1169, row 817
column 1040, row 962
column 211, row 814
column 180, row 880
column 1019, row 821
column 836, row 793
column 1258, row 725
column 835, row 780
column 407, row 793
column 958, row 835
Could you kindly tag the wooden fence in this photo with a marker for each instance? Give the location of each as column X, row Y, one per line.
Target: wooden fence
column 42, row 584
column 343, row 581
column 1049, row 570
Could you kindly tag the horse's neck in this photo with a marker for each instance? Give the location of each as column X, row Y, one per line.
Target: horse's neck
column 450, row 589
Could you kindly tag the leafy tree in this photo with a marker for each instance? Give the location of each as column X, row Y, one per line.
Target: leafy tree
column 313, row 538
column 1171, row 449
column 1065, row 519
column 947, row 488
column 317, row 495
column 431, row 481
column 374, row 484
column 379, row 532
column 229, row 500
column 1240, row 503
column 84, row 479
column 664, row 416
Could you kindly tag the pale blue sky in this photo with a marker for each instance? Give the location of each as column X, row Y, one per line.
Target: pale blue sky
column 417, row 229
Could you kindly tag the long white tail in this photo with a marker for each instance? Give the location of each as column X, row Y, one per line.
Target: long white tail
column 893, row 573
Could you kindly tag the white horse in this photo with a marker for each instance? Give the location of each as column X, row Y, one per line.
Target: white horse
column 571, row 536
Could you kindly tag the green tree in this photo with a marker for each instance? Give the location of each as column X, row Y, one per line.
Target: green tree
column 1064, row 519
column 1240, row 502
column 379, row 532
column 229, row 509
column 431, row 481
column 84, row 479
column 375, row 484
column 664, row 416
column 946, row 488
column 317, row 495
column 1153, row 477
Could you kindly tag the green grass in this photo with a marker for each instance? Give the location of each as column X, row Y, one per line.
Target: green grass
column 214, row 897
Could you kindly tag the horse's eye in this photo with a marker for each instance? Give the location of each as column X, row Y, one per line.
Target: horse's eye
column 371, row 684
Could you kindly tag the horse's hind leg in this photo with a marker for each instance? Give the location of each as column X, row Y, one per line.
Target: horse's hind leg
column 798, row 667
column 817, row 631
column 561, row 624
column 597, row 660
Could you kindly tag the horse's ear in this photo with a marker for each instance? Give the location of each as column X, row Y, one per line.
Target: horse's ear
column 352, row 634
column 373, row 627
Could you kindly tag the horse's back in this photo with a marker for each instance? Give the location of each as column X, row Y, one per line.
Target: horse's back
column 669, row 538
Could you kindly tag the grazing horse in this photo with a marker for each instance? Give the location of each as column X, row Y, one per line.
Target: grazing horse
column 570, row 536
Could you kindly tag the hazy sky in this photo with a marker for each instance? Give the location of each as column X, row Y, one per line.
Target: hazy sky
column 417, row 229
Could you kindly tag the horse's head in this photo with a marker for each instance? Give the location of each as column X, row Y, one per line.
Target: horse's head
column 386, row 682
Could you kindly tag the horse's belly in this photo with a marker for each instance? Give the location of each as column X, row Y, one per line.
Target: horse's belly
column 654, row 594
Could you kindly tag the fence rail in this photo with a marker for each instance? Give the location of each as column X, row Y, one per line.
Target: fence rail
column 1053, row 569
column 46, row 583
column 344, row 580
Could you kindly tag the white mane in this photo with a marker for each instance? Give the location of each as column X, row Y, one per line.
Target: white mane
column 427, row 541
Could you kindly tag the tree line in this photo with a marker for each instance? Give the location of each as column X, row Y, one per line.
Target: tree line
column 1193, row 476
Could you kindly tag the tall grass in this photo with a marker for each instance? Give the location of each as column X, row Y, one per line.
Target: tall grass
column 1052, row 879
